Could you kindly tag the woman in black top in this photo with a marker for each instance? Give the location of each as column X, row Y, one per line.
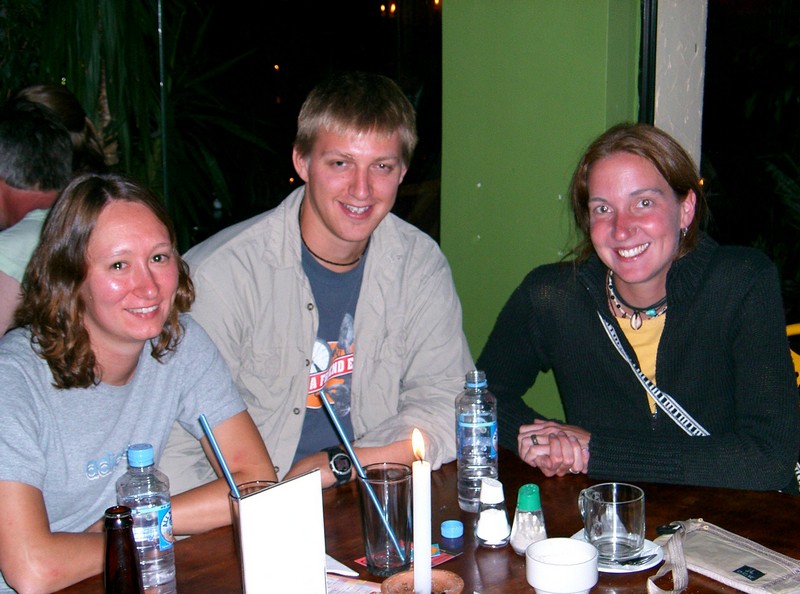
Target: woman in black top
column 669, row 350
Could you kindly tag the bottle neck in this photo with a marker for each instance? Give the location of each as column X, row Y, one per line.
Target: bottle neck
column 118, row 523
column 141, row 469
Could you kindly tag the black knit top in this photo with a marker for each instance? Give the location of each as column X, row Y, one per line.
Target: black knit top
column 723, row 356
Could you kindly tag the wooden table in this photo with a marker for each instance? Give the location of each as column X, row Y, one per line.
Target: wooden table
column 207, row 563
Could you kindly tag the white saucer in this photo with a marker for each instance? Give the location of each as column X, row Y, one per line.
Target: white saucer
column 650, row 548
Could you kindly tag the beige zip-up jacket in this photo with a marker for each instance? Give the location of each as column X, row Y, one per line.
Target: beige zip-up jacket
column 255, row 302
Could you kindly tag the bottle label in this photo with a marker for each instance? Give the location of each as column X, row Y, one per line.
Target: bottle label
column 474, row 432
column 153, row 523
column 165, row 536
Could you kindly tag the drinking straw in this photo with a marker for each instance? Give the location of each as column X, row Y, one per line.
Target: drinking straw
column 218, row 454
column 360, row 471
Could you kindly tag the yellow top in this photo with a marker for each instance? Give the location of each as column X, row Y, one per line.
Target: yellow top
column 645, row 343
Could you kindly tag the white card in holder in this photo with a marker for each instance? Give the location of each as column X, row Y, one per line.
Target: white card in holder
column 282, row 533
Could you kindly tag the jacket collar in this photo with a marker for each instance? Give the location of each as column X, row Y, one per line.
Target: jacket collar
column 683, row 279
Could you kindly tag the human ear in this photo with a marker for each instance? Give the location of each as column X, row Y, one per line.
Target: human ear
column 300, row 163
column 687, row 206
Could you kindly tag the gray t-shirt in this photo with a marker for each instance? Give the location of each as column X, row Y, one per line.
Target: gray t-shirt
column 333, row 358
column 71, row 444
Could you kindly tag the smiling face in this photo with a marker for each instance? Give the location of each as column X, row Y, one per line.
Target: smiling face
column 352, row 182
column 131, row 279
column 635, row 222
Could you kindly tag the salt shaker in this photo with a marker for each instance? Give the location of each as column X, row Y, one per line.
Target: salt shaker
column 528, row 520
column 493, row 529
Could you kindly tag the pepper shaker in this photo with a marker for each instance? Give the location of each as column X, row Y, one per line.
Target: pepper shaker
column 528, row 519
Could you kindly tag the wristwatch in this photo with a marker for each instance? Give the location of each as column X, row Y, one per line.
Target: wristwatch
column 340, row 463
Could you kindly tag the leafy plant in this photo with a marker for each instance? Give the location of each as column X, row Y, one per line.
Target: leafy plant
column 20, row 42
column 144, row 74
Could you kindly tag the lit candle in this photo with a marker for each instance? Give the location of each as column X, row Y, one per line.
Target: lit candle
column 421, row 479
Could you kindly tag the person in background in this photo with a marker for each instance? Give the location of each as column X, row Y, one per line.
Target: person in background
column 669, row 350
column 331, row 291
column 87, row 147
column 104, row 357
column 35, row 163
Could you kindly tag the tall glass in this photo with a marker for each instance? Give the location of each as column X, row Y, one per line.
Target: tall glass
column 391, row 484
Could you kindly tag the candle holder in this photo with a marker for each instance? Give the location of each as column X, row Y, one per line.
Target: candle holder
column 442, row 582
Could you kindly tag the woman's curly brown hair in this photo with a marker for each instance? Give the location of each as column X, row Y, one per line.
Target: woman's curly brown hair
column 52, row 306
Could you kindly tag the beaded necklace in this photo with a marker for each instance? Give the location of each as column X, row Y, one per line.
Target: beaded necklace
column 317, row 256
column 651, row 311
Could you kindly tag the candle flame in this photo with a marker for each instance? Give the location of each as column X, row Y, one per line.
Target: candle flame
column 418, row 444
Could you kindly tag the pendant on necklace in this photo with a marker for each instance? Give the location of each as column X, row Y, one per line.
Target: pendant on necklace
column 636, row 320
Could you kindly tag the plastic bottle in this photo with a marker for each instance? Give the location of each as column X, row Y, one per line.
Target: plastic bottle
column 493, row 529
column 476, row 434
column 146, row 491
column 121, row 573
column 528, row 519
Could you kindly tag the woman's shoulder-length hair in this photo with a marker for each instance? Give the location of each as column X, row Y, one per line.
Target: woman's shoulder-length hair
column 52, row 306
column 668, row 157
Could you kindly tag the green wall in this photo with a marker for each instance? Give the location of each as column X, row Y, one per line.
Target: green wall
column 527, row 84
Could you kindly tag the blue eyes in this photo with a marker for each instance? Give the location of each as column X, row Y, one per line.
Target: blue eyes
column 383, row 167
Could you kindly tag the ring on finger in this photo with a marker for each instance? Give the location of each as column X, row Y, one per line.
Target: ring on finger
column 534, row 440
column 574, row 471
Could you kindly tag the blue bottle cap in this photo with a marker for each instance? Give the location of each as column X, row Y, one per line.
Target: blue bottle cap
column 452, row 529
column 140, row 455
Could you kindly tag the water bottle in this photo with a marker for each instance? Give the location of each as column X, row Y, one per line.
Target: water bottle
column 476, row 435
column 146, row 491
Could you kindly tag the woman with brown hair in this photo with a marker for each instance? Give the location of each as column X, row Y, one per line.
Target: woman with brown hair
column 104, row 357
column 87, row 145
column 668, row 349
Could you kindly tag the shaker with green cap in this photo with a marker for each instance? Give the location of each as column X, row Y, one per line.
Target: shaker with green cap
column 528, row 520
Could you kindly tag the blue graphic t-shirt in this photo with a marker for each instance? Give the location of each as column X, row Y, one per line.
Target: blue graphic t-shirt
column 336, row 296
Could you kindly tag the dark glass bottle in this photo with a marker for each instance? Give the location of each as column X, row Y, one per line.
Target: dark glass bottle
column 121, row 574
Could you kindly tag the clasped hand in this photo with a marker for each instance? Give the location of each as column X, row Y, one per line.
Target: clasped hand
column 556, row 449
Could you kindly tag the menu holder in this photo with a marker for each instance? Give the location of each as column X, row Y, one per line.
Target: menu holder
column 282, row 532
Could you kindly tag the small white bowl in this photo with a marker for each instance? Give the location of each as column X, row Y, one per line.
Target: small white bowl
column 561, row 566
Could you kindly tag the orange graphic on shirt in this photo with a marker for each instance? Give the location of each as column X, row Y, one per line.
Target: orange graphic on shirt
column 332, row 365
column 330, row 378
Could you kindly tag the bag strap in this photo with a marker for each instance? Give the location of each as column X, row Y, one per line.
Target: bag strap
column 664, row 401
column 674, row 562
